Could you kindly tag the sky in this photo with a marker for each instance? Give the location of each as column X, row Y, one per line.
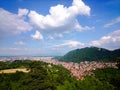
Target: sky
column 54, row 27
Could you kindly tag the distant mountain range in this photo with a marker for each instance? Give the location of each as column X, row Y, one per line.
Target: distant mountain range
column 91, row 54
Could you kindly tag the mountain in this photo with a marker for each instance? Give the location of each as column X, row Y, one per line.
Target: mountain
column 91, row 54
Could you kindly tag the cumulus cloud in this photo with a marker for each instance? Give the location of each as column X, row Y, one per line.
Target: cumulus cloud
column 69, row 44
column 61, row 19
column 37, row 36
column 78, row 27
column 11, row 24
column 110, row 41
column 115, row 21
column 20, row 43
column 22, row 12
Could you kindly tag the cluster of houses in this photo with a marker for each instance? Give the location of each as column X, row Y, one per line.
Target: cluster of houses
column 79, row 70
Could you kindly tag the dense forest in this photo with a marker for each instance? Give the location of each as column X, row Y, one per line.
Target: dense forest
column 43, row 76
column 90, row 54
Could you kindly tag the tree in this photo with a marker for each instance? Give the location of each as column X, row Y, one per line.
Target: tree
column 118, row 62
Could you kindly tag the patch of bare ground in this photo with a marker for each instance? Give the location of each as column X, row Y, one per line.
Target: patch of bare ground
column 25, row 70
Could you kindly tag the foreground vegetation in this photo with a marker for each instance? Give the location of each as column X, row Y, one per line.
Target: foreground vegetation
column 43, row 76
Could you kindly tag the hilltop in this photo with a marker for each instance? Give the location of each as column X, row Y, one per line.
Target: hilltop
column 91, row 54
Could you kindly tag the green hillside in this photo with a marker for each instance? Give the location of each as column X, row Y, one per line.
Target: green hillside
column 91, row 54
column 43, row 76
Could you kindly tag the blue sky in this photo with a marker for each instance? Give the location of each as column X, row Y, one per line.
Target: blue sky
column 54, row 27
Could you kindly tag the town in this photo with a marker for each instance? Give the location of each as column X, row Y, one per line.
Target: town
column 78, row 70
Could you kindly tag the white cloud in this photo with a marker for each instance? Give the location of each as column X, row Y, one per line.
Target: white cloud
column 37, row 36
column 115, row 21
column 61, row 19
column 58, row 35
column 110, row 41
column 11, row 24
column 79, row 7
column 50, row 37
column 20, row 43
column 69, row 44
column 22, row 12
column 78, row 27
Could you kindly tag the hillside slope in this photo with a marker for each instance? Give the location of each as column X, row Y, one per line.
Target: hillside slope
column 44, row 76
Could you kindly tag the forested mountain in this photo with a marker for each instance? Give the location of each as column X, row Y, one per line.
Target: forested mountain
column 91, row 54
